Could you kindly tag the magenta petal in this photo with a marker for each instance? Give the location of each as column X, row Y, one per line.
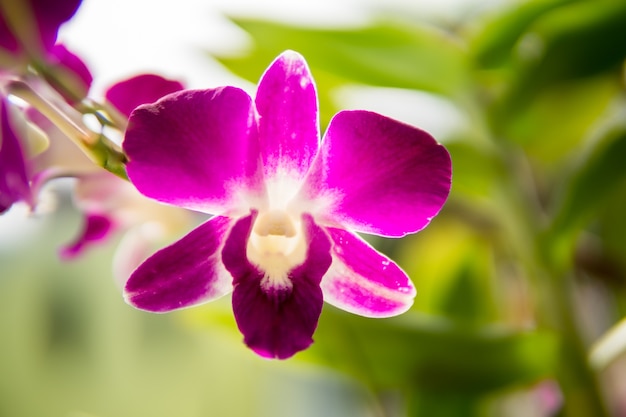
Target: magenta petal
column 14, row 184
column 49, row 16
column 383, row 176
column 32, row 25
column 277, row 323
column 96, row 228
column 187, row 273
column 286, row 102
column 126, row 95
column 363, row 281
column 195, row 149
column 72, row 70
column 71, row 62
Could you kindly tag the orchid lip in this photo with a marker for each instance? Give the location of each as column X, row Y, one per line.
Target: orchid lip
column 277, row 318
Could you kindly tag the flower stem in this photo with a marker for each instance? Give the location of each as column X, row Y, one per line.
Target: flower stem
column 578, row 382
column 547, row 257
column 97, row 147
column 60, row 119
column 551, row 267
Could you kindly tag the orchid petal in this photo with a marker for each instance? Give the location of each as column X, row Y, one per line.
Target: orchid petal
column 50, row 15
column 195, row 149
column 126, row 95
column 277, row 322
column 363, row 281
column 381, row 176
column 184, row 274
column 96, row 228
column 136, row 245
column 70, row 70
column 14, row 183
column 33, row 25
column 286, row 103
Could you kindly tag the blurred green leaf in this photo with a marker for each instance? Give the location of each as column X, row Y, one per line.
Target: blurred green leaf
column 431, row 354
column 455, row 279
column 550, row 136
column 603, row 173
column 577, row 40
column 469, row 298
column 422, row 403
column 612, row 228
column 494, row 41
column 476, row 168
column 388, row 54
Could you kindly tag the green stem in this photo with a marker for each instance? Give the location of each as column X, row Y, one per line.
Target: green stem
column 98, row 148
column 579, row 383
column 550, row 265
column 110, row 157
column 79, row 134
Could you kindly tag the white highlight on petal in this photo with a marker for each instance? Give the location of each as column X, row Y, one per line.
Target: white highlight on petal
column 305, row 82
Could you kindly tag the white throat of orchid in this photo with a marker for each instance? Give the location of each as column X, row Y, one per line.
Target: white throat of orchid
column 277, row 244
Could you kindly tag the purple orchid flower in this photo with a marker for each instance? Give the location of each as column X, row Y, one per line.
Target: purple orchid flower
column 287, row 206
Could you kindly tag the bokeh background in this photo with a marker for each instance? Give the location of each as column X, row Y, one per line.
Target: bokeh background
column 520, row 279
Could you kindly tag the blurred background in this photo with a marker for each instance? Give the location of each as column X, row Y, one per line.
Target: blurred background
column 520, row 279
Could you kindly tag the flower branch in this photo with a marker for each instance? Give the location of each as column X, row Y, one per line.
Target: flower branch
column 98, row 148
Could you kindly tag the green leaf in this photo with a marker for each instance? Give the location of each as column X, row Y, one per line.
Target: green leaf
column 575, row 41
column 388, row 54
column 612, row 231
column 603, row 173
column 476, row 167
column 560, row 118
column 452, row 266
column 579, row 40
column 431, row 354
column 493, row 42
column 469, row 298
